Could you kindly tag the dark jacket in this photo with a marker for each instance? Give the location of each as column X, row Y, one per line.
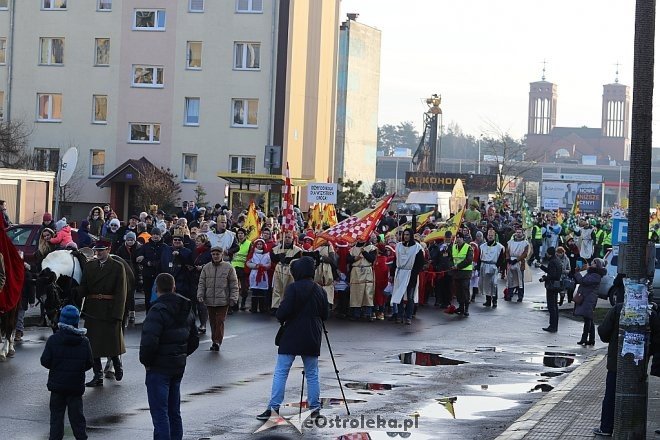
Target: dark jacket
column 553, row 273
column 67, row 355
column 588, row 287
column 169, row 335
column 304, row 307
column 177, row 266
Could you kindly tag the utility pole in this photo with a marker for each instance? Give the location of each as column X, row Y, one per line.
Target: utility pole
column 631, row 380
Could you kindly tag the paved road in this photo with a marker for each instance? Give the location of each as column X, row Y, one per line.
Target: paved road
column 503, row 351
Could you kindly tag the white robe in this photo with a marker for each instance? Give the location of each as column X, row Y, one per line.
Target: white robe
column 405, row 260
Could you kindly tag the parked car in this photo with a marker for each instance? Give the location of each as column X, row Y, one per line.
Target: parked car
column 26, row 239
column 606, row 291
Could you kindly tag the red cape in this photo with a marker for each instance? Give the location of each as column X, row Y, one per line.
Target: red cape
column 14, row 271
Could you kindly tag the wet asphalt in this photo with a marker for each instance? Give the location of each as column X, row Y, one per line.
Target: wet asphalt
column 483, row 373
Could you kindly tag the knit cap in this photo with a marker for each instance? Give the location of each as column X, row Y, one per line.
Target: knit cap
column 60, row 224
column 130, row 235
column 70, row 315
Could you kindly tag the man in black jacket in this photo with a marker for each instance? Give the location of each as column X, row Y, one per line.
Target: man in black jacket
column 169, row 336
column 552, row 279
column 67, row 355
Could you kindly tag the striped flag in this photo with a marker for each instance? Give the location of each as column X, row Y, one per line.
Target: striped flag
column 356, row 229
column 288, row 217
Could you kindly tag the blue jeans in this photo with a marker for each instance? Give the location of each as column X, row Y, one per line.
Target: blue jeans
column 163, row 392
column 409, row 306
column 282, row 367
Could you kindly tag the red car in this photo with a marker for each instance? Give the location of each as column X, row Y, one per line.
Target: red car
column 26, row 238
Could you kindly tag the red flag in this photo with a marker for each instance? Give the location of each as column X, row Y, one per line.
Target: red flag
column 14, row 271
column 288, row 217
column 356, row 229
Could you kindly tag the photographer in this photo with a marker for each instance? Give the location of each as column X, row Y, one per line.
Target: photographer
column 552, row 280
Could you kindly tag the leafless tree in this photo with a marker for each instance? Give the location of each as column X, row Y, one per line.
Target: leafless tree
column 14, row 152
column 158, row 186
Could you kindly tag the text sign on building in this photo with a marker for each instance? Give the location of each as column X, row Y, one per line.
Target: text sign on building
column 446, row 181
column 619, row 231
column 322, row 193
column 551, row 204
column 567, row 177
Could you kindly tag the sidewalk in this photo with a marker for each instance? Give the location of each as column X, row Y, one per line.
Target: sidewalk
column 572, row 409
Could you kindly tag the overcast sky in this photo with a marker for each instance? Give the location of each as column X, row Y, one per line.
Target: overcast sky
column 481, row 55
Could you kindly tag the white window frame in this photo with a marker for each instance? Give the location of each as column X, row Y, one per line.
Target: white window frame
column 240, row 169
column 186, row 122
column 94, row 102
column 244, row 54
column 189, row 58
column 6, row 5
column 50, row 107
column 92, row 152
column 154, row 75
column 193, row 178
column 250, row 9
column 52, row 6
column 151, row 139
column 2, row 105
column 190, row 6
column 100, row 3
column 156, row 27
column 51, row 58
column 96, row 52
column 3, row 50
column 245, row 109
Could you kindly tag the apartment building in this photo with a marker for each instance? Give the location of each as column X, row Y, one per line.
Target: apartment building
column 196, row 86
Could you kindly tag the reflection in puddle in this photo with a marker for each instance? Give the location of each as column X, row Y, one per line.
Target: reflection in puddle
column 513, row 388
column 490, row 348
column 427, row 359
column 326, row 402
column 370, row 386
column 464, row 407
column 553, row 359
column 382, row 435
column 552, row 373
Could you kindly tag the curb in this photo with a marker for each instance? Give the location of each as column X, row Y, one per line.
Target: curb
column 523, row 425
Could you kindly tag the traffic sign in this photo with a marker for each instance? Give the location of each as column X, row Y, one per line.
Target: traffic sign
column 619, row 231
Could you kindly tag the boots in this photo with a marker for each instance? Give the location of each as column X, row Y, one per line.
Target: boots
column 119, row 369
column 243, row 300
column 495, row 302
column 97, row 380
column 475, row 291
column 488, row 301
column 466, row 313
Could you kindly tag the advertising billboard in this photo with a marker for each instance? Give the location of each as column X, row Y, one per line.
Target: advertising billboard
column 562, row 195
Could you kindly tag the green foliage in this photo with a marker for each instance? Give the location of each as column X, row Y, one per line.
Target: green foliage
column 402, row 135
column 378, row 189
column 350, row 197
column 200, row 194
column 158, row 186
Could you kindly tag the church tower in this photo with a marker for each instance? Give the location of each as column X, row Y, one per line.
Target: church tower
column 542, row 107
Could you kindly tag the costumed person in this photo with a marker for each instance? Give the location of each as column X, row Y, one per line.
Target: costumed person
column 361, row 259
column 587, row 235
column 491, row 257
column 409, row 263
column 259, row 265
column 224, row 238
column 326, row 270
column 381, row 276
column 517, row 250
column 341, row 285
column 103, row 285
column 474, row 280
column 128, row 251
column 238, row 261
column 461, row 255
column 282, row 255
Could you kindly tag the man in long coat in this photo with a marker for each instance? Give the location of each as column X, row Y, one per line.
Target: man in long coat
column 104, row 287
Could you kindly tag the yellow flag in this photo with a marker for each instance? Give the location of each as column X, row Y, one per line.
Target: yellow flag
column 560, row 217
column 452, row 225
column 252, row 223
column 329, row 215
column 315, row 221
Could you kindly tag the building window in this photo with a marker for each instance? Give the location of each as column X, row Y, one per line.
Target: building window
column 51, row 51
column 249, row 6
column 46, row 159
column 246, row 56
column 242, row 164
column 53, row 4
column 2, row 106
column 102, row 53
column 194, row 55
column 192, row 111
column 196, row 6
column 149, row 19
column 49, row 107
column 244, row 112
column 104, row 5
column 3, row 50
column 145, row 133
column 100, row 115
column 96, row 163
column 147, row 76
column 189, row 168
column 3, row 4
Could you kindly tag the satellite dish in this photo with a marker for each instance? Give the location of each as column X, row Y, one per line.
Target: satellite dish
column 68, row 165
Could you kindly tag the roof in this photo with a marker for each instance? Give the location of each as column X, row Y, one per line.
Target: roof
column 126, row 172
column 260, row 179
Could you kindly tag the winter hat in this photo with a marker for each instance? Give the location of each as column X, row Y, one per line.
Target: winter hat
column 130, row 236
column 599, row 263
column 114, row 221
column 70, row 315
column 48, row 217
column 156, row 231
column 551, row 251
column 72, row 245
column 60, row 224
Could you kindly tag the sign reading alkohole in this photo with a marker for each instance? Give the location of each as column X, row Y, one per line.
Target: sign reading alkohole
column 322, row 193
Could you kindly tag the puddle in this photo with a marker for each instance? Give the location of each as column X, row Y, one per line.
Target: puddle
column 513, row 388
column 464, row 407
column 427, row 359
column 370, row 386
column 327, row 402
column 493, row 349
column 382, row 435
column 553, row 359
column 552, row 373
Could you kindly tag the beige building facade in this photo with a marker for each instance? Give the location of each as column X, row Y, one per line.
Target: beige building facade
column 196, row 86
